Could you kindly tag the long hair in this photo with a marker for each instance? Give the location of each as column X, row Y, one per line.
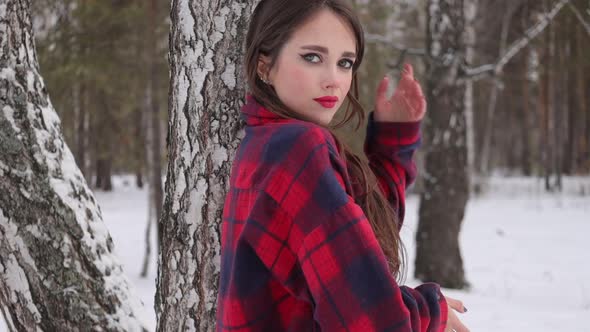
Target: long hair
column 271, row 26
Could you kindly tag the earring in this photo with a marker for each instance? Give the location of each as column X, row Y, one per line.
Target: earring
column 264, row 81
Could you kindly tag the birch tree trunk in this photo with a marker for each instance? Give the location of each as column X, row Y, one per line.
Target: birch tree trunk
column 57, row 267
column 446, row 179
column 206, row 93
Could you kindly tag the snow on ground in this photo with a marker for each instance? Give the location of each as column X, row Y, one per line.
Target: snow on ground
column 125, row 213
column 526, row 256
column 525, row 253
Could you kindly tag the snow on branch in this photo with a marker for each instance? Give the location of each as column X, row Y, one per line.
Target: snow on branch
column 515, row 47
column 580, row 17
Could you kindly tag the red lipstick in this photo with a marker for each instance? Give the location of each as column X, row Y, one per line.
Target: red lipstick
column 327, row 101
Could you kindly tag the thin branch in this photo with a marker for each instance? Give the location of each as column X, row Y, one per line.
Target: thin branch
column 374, row 38
column 580, row 17
column 494, row 69
column 404, row 51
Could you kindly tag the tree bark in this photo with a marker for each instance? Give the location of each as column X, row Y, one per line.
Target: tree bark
column 103, row 174
column 139, row 144
column 576, row 105
column 560, row 106
column 547, row 109
column 81, row 108
column 57, row 267
column 81, row 128
column 446, row 191
column 557, row 106
column 525, row 127
column 206, row 93
column 583, row 101
column 470, row 39
column 106, row 128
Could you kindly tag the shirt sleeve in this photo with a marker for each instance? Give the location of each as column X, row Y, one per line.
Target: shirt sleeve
column 339, row 257
column 390, row 147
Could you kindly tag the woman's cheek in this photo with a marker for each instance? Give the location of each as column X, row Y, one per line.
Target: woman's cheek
column 346, row 84
column 300, row 78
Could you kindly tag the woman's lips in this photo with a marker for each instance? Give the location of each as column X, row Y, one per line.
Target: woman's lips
column 327, row 101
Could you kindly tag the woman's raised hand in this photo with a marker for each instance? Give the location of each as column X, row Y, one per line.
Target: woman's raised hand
column 407, row 104
column 453, row 322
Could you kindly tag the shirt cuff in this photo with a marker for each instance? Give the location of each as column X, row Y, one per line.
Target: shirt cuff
column 393, row 133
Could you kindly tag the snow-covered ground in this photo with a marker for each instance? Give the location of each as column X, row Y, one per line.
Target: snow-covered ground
column 526, row 253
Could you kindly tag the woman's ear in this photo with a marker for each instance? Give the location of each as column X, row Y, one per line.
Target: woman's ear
column 263, row 68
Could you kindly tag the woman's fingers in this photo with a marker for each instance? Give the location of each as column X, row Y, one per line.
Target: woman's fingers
column 456, row 304
column 453, row 321
column 408, row 71
column 419, row 89
column 382, row 90
column 412, row 100
column 408, row 84
column 455, row 324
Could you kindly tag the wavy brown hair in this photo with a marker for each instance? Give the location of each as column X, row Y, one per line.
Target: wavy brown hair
column 271, row 26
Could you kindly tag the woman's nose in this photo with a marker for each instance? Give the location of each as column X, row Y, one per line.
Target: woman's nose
column 331, row 78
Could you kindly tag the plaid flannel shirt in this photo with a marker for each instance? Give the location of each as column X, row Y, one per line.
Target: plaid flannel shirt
column 297, row 252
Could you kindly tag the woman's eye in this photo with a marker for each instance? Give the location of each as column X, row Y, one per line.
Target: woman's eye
column 346, row 63
column 312, row 57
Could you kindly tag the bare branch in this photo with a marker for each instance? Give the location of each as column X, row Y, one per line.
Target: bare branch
column 580, row 17
column 494, row 69
column 404, row 51
column 374, row 38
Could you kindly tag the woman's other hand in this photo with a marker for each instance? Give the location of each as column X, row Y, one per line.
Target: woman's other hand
column 407, row 104
column 453, row 322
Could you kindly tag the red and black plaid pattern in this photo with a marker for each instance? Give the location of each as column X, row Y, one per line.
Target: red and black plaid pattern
column 390, row 148
column 297, row 253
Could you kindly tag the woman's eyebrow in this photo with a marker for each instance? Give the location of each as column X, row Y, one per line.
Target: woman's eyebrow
column 324, row 50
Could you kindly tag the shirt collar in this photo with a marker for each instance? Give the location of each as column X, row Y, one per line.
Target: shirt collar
column 255, row 114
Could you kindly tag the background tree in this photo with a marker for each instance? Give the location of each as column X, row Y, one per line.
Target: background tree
column 446, row 180
column 93, row 55
column 57, row 267
column 516, row 135
column 446, row 184
column 152, row 56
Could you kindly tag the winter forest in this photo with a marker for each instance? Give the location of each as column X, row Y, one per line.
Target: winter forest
column 119, row 122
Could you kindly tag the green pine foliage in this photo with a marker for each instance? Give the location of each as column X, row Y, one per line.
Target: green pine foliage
column 92, row 57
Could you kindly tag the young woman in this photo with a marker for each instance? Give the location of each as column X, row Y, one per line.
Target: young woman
column 310, row 232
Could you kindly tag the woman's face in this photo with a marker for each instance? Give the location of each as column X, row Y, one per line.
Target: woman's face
column 313, row 71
